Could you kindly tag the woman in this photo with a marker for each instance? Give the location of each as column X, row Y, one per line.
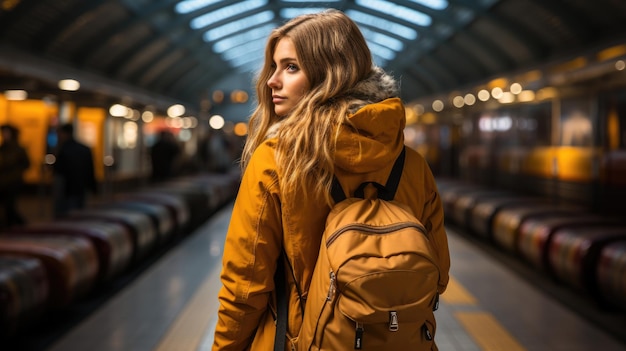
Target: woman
column 323, row 109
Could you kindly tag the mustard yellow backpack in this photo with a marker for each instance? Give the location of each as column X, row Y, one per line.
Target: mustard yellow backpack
column 374, row 286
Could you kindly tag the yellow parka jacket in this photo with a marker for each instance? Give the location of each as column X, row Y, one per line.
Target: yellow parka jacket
column 262, row 224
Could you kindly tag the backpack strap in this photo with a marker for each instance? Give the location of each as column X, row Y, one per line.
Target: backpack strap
column 337, row 191
column 282, row 303
column 282, row 309
column 386, row 192
column 394, row 178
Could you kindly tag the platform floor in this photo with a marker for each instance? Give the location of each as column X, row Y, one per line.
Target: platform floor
column 490, row 305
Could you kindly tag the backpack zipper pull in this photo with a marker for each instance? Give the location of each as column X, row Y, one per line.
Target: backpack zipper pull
column 427, row 333
column 393, row 321
column 331, row 287
column 436, row 304
column 358, row 338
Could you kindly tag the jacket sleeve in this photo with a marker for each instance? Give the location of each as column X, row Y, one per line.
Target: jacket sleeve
column 251, row 250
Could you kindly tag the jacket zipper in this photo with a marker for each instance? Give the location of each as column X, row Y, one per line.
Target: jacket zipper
column 374, row 230
column 329, row 297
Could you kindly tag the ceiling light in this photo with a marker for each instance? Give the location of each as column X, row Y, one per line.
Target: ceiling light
column 15, row 95
column 69, row 85
column 176, row 110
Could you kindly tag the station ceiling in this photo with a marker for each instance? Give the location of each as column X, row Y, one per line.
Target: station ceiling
column 166, row 51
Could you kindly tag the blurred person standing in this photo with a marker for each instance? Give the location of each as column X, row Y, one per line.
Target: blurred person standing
column 163, row 155
column 73, row 172
column 13, row 162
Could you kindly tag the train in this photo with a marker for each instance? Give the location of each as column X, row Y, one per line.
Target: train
column 557, row 131
column 534, row 165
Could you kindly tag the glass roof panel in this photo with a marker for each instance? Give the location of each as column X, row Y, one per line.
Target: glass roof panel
column 243, row 50
column 240, row 39
column 379, row 61
column 291, row 12
column 433, row 4
column 192, row 5
column 239, row 25
column 241, row 43
column 382, row 39
column 381, row 51
column 225, row 12
column 382, row 24
column 325, row 1
column 397, row 11
column 252, row 59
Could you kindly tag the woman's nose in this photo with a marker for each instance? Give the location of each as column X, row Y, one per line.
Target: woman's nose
column 273, row 82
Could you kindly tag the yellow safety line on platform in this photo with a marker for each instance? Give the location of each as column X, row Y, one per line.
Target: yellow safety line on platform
column 456, row 294
column 487, row 332
column 189, row 329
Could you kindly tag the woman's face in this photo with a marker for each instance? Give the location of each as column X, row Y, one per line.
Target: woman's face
column 288, row 82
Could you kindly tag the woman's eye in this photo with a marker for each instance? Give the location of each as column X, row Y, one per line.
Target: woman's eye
column 291, row 67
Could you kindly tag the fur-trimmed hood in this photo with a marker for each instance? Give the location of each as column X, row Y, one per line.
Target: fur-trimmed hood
column 377, row 87
column 376, row 134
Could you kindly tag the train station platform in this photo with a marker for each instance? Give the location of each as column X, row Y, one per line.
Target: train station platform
column 490, row 305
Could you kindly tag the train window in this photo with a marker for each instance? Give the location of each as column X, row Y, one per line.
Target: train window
column 534, row 124
column 528, row 125
column 612, row 131
column 576, row 127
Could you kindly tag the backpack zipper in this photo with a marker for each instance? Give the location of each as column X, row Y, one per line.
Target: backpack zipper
column 374, row 230
column 393, row 321
column 331, row 287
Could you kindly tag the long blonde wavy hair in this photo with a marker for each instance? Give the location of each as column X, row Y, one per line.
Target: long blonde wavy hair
column 334, row 56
